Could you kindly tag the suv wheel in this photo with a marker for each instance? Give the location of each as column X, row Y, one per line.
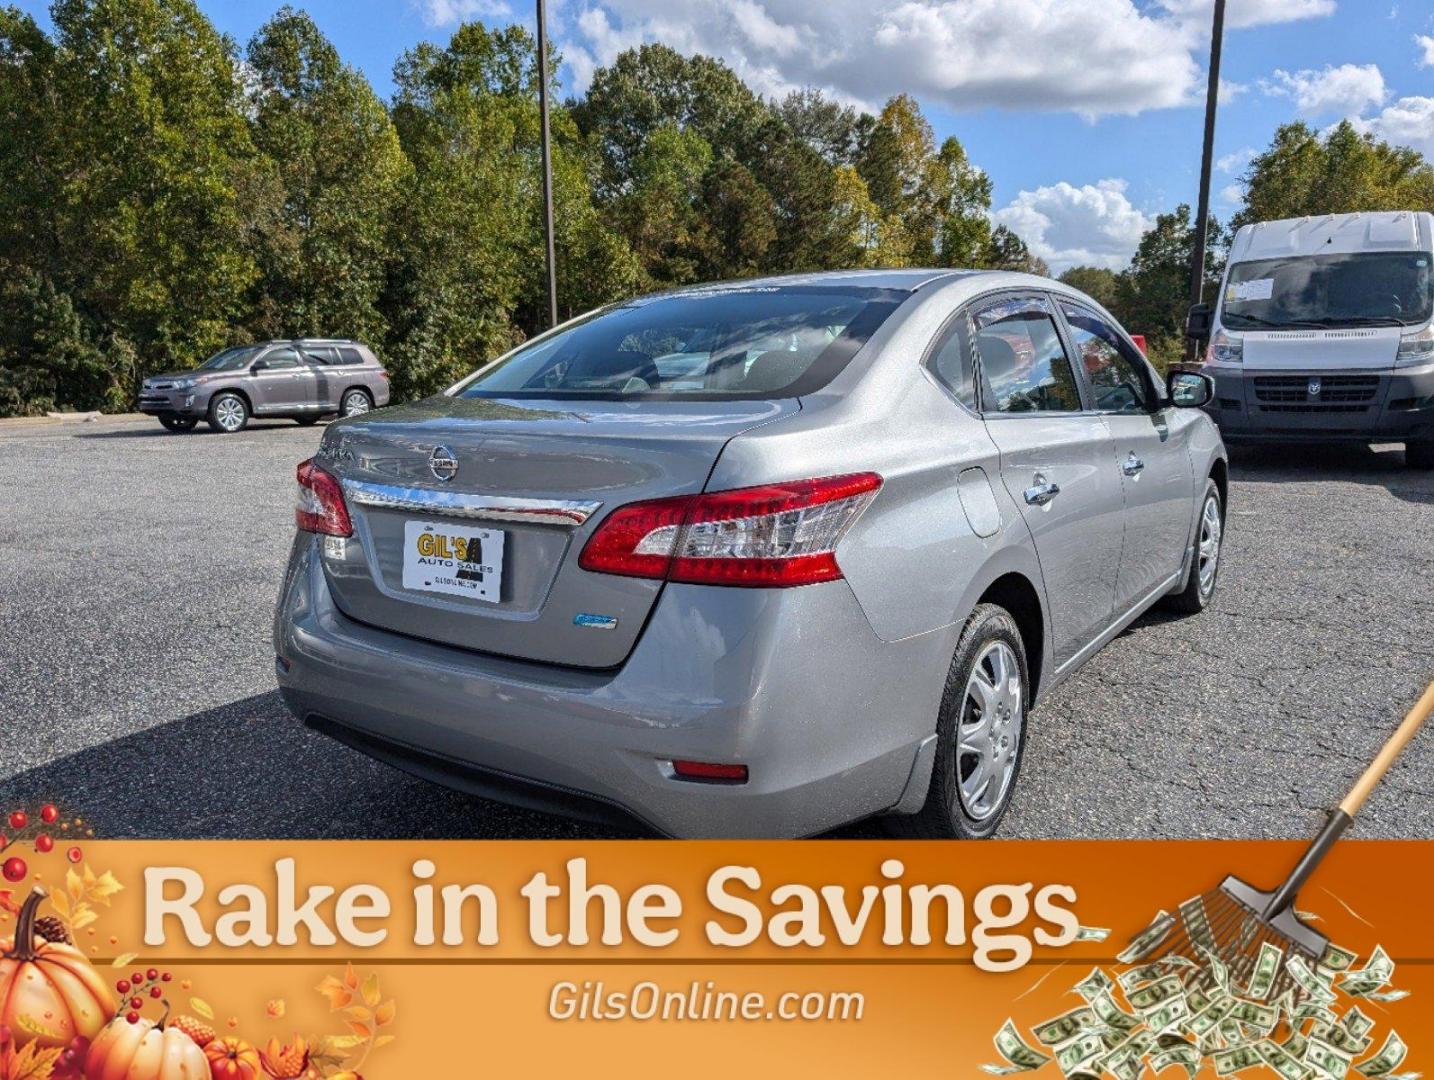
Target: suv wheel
column 1199, row 587
column 980, row 733
column 179, row 423
column 1419, row 454
column 356, row 402
column 228, row 413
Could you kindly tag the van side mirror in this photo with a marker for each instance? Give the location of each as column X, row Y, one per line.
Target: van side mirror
column 259, row 365
column 1189, row 389
column 1198, row 321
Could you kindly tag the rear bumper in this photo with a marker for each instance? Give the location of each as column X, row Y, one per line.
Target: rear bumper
column 1353, row 406
column 793, row 683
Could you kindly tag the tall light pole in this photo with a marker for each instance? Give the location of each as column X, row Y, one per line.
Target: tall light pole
column 1202, row 215
column 547, row 167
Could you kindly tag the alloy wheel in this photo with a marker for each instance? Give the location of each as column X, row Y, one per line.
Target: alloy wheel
column 1211, row 528
column 988, row 733
column 230, row 413
column 355, row 404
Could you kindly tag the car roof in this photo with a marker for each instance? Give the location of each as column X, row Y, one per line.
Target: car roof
column 905, row 279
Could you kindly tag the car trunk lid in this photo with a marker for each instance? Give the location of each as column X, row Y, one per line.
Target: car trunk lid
column 530, row 482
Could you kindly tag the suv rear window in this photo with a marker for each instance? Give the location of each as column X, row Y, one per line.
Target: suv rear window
column 728, row 343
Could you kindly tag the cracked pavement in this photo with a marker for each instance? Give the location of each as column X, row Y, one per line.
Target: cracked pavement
column 139, row 571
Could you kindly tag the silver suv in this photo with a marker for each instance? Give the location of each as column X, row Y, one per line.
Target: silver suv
column 305, row 379
column 752, row 559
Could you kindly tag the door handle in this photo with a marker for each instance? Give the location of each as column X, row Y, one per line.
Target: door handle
column 1132, row 465
column 1041, row 494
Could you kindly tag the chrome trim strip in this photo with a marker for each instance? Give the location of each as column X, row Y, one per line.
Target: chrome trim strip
column 563, row 512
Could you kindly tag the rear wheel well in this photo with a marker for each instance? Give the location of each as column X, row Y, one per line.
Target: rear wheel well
column 364, row 390
column 1016, row 594
column 1220, row 473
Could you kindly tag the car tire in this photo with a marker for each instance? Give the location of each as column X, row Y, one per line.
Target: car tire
column 1199, row 588
column 179, row 423
column 307, row 421
column 228, row 413
column 1419, row 453
column 355, row 403
column 978, row 726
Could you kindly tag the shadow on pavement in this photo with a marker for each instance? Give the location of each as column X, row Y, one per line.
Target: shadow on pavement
column 137, row 431
column 248, row 769
column 1352, row 463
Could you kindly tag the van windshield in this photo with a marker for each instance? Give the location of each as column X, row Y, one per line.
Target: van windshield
column 1364, row 289
column 231, row 359
column 726, row 343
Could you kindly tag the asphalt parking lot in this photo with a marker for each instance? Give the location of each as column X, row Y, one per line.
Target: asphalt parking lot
column 138, row 572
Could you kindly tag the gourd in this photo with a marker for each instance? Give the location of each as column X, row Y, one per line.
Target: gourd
column 49, row 993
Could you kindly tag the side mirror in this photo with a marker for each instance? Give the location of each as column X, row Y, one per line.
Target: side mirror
column 1198, row 321
column 1189, row 389
column 259, row 365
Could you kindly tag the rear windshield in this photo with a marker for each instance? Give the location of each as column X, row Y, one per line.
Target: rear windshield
column 1320, row 291
column 761, row 342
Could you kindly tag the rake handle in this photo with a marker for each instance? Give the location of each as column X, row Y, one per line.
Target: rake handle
column 1343, row 817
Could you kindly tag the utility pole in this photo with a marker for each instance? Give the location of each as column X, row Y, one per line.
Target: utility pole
column 1202, row 215
column 548, row 166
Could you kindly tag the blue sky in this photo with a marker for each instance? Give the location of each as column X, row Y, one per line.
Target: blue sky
column 1086, row 113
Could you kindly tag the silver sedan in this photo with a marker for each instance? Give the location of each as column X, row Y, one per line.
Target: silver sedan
column 752, row 559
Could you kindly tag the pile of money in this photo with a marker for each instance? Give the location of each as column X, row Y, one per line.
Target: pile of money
column 1193, row 1012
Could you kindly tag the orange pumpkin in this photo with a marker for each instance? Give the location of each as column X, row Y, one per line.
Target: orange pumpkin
column 49, row 994
column 232, row 1059
column 144, row 1051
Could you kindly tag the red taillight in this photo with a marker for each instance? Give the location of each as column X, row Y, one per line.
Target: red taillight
column 321, row 508
column 773, row 535
column 706, row 770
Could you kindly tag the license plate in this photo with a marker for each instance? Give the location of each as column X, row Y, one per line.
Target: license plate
column 453, row 559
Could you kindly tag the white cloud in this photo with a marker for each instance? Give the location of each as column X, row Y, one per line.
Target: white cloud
column 1346, row 90
column 1426, row 49
column 1407, row 122
column 1242, row 13
column 1232, row 195
column 1014, row 54
column 1236, row 160
column 1091, row 225
column 448, row 12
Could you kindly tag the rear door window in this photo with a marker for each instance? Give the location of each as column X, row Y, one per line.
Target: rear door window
column 950, row 362
column 281, row 358
column 322, row 354
column 1024, row 367
column 349, row 355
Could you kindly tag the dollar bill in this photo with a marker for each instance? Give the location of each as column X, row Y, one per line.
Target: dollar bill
column 1267, row 966
column 1375, row 974
column 1387, row 995
column 1151, row 996
column 1112, row 1015
column 1236, row 1059
column 1080, row 1052
column 1092, row 933
column 1257, row 1015
column 1340, row 1038
column 1355, row 1022
column 1197, row 923
column 1217, row 969
column 1149, row 939
column 1064, row 1028
column 1020, row 1056
column 1282, row 1061
column 1184, row 1055
column 1209, row 1018
column 1336, row 959
column 1168, row 1015
column 1308, row 981
column 1296, row 1044
column 1329, row 1060
column 1391, row 1055
column 1094, row 984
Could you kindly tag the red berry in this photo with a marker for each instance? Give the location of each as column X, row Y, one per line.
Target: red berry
column 19, row 819
column 122, row 986
column 132, row 1017
column 136, row 1003
column 15, row 869
column 137, row 978
column 152, row 974
column 43, row 844
column 155, row 991
column 74, row 854
column 166, row 977
column 49, row 813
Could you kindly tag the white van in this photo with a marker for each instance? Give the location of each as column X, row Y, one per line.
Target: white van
column 1322, row 332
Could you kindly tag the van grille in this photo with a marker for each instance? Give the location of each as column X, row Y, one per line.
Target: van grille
column 1336, row 392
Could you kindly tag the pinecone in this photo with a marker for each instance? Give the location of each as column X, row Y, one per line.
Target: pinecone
column 197, row 1030
column 52, row 929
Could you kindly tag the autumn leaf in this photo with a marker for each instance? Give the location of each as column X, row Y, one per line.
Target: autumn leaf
column 103, row 888
column 31, row 1062
column 25, row 1022
column 61, row 903
column 338, row 994
column 276, row 1008
column 202, row 1007
column 363, row 1031
column 74, row 885
column 7, row 902
column 359, row 1013
column 384, row 1014
column 123, row 960
column 383, row 1040
column 351, row 979
column 84, row 915
column 371, row 994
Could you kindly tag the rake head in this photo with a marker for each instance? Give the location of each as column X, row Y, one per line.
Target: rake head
column 1232, row 924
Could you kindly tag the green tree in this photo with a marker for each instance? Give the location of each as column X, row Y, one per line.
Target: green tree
column 1303, row 173
column 836, row 132
column 1153, row 292
column 1098, row 282
column 335, row 175
column 1007, row 251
